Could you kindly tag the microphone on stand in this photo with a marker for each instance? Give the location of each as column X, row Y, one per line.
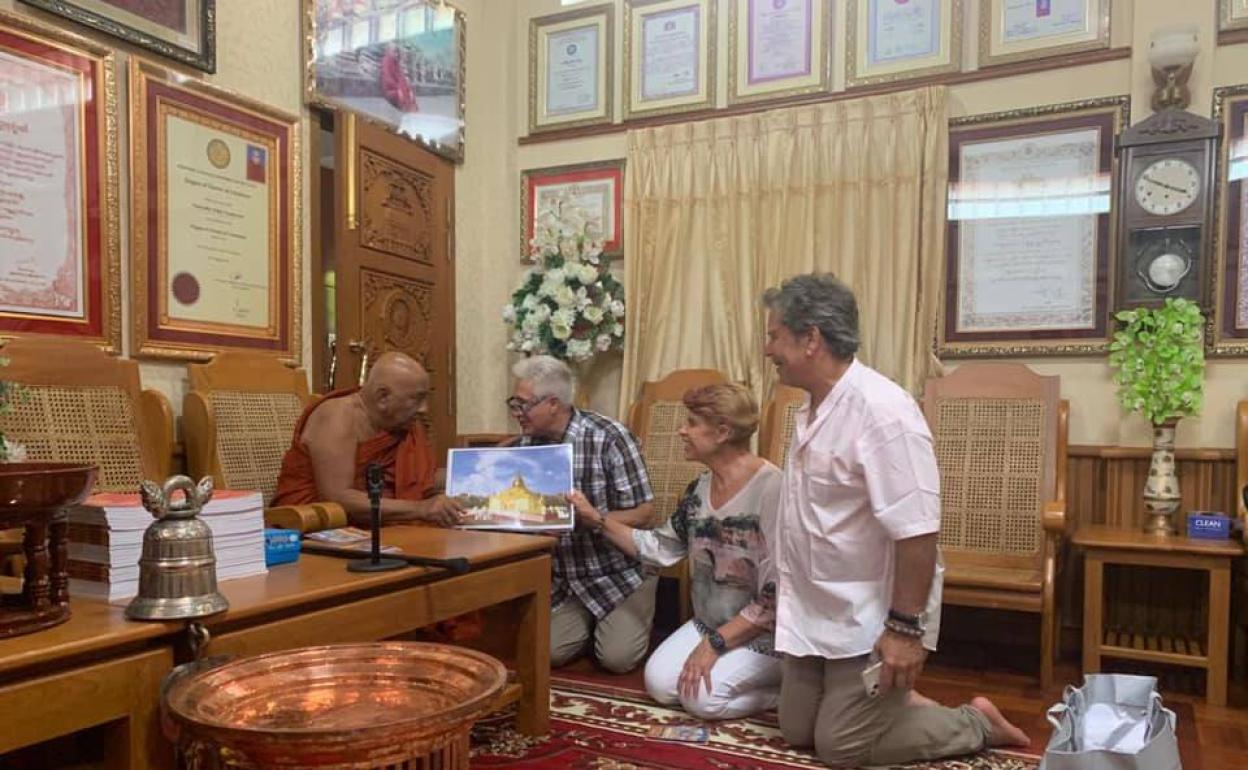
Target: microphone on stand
column 374, row 563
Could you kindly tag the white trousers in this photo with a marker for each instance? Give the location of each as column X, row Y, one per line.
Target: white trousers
column 743, row 682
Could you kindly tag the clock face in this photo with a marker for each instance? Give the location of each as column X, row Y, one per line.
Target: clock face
column 1168, row 186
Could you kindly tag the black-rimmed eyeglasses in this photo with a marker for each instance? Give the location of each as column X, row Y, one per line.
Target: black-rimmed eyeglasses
column 517, row 405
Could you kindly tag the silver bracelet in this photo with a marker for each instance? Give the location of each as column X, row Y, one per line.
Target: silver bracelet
column 902, row 629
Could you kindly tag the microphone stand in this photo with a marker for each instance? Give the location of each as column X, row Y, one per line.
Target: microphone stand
column 374, row 563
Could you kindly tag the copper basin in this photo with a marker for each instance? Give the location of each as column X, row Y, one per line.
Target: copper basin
column 30, row 487
column 323, row 706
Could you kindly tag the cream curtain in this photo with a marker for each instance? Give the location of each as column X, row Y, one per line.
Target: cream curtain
column 719, row 210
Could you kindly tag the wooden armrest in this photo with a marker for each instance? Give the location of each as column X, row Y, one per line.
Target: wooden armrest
column 157, row 417
column 1054, row 517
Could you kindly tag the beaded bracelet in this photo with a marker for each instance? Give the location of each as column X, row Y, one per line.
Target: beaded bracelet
column 914, row 632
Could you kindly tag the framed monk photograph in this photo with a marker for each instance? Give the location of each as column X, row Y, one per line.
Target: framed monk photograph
column 598, row 188
column 669, row 56
column 1229, row 324
column 59, row 224
column 778, row 48
column 571, row 69
column 1028, row 239
column 1017, row 30
column 183, row 30
column 398, row 64
column 215, row 214
column 888, row 41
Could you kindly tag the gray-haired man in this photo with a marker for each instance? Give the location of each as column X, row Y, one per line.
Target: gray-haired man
column 595, row 589
column 858, row 577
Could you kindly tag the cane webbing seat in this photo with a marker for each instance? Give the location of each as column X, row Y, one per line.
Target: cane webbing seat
column 779, row 418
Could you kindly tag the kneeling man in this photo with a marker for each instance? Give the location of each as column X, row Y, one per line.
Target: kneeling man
column 340, row 435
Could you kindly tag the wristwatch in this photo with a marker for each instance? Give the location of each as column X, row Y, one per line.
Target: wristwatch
column 716, row 640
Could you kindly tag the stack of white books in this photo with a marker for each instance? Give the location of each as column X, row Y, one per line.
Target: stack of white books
column 106, row 541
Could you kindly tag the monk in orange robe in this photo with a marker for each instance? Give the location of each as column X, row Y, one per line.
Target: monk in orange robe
column 380, row 422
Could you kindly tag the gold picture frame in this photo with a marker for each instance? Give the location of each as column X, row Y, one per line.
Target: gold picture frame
column 89, row 308
column 1228, row 323
column 541, row 28
column 866, row 65
column 745, row 86
column 1232, row 21
column 601, row 181
column 995, row 48
column 1071, row 142
column 235, row 203
column 701, row 92
column 340, row 53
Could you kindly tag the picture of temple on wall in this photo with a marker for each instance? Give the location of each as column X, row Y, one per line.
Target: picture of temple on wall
column 512, row 488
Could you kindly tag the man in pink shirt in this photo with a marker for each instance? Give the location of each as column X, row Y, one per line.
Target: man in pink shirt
column 855, row 544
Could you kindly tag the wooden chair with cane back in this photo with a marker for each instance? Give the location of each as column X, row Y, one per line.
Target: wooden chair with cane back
column 776, row 434
column 239, row 417
column 1000, row 434
column 655, row 418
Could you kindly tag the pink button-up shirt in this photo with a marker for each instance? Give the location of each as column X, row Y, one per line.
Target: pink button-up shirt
column 859, row 477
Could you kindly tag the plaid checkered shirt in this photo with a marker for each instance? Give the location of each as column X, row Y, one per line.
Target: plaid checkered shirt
column 608, row 469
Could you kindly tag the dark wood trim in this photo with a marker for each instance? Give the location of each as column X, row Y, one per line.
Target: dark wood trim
column 1013, row 69
column 1233, row 36
column 1194, row 454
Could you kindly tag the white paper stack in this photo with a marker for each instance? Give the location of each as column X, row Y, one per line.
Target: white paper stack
column 106, row 541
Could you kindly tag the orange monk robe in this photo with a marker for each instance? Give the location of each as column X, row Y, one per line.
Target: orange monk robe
column 408, row 472
column 406, row 460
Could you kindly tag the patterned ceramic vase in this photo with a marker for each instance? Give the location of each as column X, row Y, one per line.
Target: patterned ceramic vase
column 1161, row 490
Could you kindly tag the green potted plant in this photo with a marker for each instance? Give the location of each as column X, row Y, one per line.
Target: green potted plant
column 1159, row 356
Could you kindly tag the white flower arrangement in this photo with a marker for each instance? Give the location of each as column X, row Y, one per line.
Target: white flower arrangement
column 568, row 305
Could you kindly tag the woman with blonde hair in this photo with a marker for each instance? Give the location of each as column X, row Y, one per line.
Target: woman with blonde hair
column 719, row 665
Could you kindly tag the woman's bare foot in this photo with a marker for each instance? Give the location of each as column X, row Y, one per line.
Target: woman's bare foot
column 914, row 699
column 1003, row 733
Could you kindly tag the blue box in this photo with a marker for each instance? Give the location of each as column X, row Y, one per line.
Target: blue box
column 281, row 546
column 1208, row 525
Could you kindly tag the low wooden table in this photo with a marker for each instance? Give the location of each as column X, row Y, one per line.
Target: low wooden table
column 100, row 669
column 1108, row 545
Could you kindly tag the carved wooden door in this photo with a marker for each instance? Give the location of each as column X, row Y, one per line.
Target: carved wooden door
column 396, row 278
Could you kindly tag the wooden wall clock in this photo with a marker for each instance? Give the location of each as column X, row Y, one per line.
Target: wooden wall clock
column 1164, row 212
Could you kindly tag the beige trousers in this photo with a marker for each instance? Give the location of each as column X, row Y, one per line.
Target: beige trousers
column 824, row 705
column 621, row 639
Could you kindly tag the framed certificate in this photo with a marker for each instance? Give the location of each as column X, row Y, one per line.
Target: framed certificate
column 892, row 40
column 778, row 48
column 571, row 69
column 599, row 189
column 184, row 30
column 1029, row 231
column 214, row 220
column 1233, row 19
column 59, row 255
column 669, row 55
column 397, row 64
column 1229, row 325
column 1016, row 30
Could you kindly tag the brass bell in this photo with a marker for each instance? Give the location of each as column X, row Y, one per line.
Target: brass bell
column 178, row 570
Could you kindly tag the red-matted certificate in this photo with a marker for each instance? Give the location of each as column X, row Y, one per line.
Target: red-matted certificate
column 58, row 186
column 598, row 188
column 214, row 228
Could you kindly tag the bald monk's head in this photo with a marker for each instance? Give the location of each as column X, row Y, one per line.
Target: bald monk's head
column 396, row 392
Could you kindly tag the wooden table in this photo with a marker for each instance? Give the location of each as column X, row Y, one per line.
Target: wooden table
column 99, row 669
column 1107, row 545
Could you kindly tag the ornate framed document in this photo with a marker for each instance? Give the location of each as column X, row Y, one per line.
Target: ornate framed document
column 890, row 40
column 778, row 48
column 398, row 64
column 1029, row 230
column 571, row 73
column 1229, row 324
column 215, row 215
column 59, row 254
column 1015, row 30
column 598, row 187
column 1233, row 17
column 184, row 30
column 669, row 56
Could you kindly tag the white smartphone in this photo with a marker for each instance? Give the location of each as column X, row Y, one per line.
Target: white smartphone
column 871, row 678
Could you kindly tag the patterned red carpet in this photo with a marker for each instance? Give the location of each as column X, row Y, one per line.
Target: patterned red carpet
column 597, row 726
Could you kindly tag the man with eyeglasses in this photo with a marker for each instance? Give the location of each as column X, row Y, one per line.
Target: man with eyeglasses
column 596, row 590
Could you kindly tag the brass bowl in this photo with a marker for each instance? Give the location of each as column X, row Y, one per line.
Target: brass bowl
column 339, row 705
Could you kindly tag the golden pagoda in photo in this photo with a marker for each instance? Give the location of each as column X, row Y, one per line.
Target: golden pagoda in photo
column 518, row 501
